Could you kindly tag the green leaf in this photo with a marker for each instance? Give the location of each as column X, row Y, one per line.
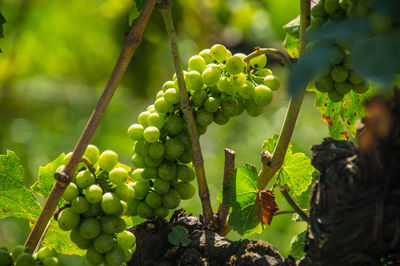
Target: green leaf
column 297, row 173
column 15, row 199
column 135, row 10
column 291, row 42
column 297, row 245
column 179, row 235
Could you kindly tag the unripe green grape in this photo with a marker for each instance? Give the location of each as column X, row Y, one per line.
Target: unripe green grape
column 173, row 125
column 211, row 75
column 159, row 94
column 272, row 82
column 211, row 104
column 185, row 173
column 184, row 137
column 156, row 119
column 51, row 261
column 339, row 74
column 125, row 192
column 153, row 200
column 68, row 219
column 203, row 117
column 111, row 224
column 252, row 108
column 93, row 211
column 240, row 107
column 141, row 189
column 220, row 118
column 151, row 162
column 25, row 259
column 319, row 10
column 46, row 252
column 67, row 157
column 90, row 228
column 187, row 155
column 150, row 173
column 132, row 207
column 161, row 212
column 206, row 56
column 247, row 90
column 355, row 78
column 161, row 186
column 135, row 131
column 258, row 62
column 162, row 106
column 71, row 192
column 263, row 72
column 224, row 85
column 171, row 96
column 108, row 160
column 92, row 153
column 126, row 240
column 201, row 130
column 103, row 243
column 84, row 179
column 5, row 258
column 167, row 170
column 193, row 81
column 185, row 190
column 138, row 161
column 144, row 211
column 77, row 239
column 229, row 106
column 324, row 84
column 94, row 257
column 331, row 6
column 173, row 148
column 124, row 208
column 151, row 134
column 115, row 257
column 235, row 65
column 137, row 174
column 94, row 194
column 171, row 200
column 110, row 203
column 335, row 96
column 360, row 88
column 197, row 63
column 151, row 108
column 141, row 147
column 118, row 175
column 80, row 204
column 129, row 253
column 218, row 52
column 237, row 80
column 168, row 84
column 198, row 98
column 343, row 87
column 156, row 150
column 262, row 95
column 18, row 250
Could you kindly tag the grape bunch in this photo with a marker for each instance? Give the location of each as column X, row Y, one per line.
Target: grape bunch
column 220, row 86
column 20, row 256
column 97, row 198
column 340, row 77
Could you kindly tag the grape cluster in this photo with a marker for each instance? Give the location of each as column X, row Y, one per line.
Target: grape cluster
column 339, row 78
column 98, row 196
column 20, row 256
column 220, row 86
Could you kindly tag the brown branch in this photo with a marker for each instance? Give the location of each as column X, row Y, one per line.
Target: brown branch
column 63, row 179
column 289, row 199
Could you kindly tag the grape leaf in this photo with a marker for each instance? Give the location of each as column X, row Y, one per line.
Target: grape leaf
column 15, row 199
column 291, row 42
column 297, row 245
column 179, row 235
column 135, row 10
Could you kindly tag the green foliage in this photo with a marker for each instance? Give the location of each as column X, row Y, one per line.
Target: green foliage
column 291, row 42
column 179, row 236
column 297, row 245
column 135, row 10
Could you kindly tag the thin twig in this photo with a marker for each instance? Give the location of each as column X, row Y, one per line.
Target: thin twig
column 198, row 162
column 259, row 51
column 63, row 179
column 290, row 212
column 293, row 204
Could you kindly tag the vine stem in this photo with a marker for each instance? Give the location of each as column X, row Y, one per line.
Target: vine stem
column 276, row 161
column 293, row 204
column 198, row 161
column 133, row 40
column 259, row 51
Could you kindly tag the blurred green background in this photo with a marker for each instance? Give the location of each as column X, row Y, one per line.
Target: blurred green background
column 57, row 57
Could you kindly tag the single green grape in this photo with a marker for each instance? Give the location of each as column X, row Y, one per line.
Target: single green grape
column 224, row 85
column 92, row 153
column 108, row 160
column 161, row 186
column 156, row 119
column 90, row 228
column 126, row 240
column 262, row 95
column 115, row 257
column 235, row 65
column 355, row 78
column 129, row 253
column 211, row 104
column 185, row 190
column 110, row 203
column 151, row 134
column 141, row 189
column 335, row 96
column 125, row 192
column 5, row 258
column 240, row 107
column 103, row 243
column 167, row 170
column 197, row 63
column 153, row 200
column 203, row 117
column 201, row 130
column 171, row 200
column 151, row 108
column 263, row 72
column 339, row 74
column 343, row 87
column 319, row 10
column 272, row 82
column 324, row 84
column 46, row 252
column 80, row 204
column 94, row 194
column 187, row 155
column 159, row 94
column 252, row 108
column 162, row 106
column 118, row 175
column 68, row 219
column 331, row 6
column 171, row 96
column 25, row 259
column 151, row 162
column 360, row 88
column 156, row 150
column 51, row 261
column 71, row 192
column 135, row 131
column 142, row 117
column 220, row 118
column 237, row 80
column 141, row 147
column 185, row 173
column 138, row 161
column 111, row 224
column 211, row 75
column 137, row 174
column 168, row 84
column 94, row 257
column 198, row 98
column 247, row 90
column 206, row 56
column 193, row 81
column 93, row 211
column 161, row 212
column 84, row 179
column 150, row 173
column 144, row 211
column 229, row 106
column 219, row 52
column 77, row 239
column 258, row 62
column 173, row 149
column 18, row 250
column 132, row 207
column 173, row 125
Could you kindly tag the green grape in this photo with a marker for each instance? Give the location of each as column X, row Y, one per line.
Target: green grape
column 68, row 219
column 141, row 189
column 319, row 10
column 252, row 108
column 339, row 74
column 235, row 65
column 173, row 148
column 115, row 257
column 110, row 203
column 258, row 62
column 237, row 81
column 103, row 243
column 335, row 96
column 92, row 153
column 156, row 119
column 355, row 78
column 156, row 150
column 118, row 175
column 159, row 94
column 201, row 130
column 187, row 155
column 224, row 85
column 331, row 6
column 262, row 95
column 171, row 96
column 206, row 56
column 137, row 174
column 25, row 259
column 93, row 211
column 218, row 52
column 151, row 134
column 132, row 207
column 111, row 224
column 18, row 250
column 124, row 208
column 151, row 109
column 220, row 118
column 197, row 63
column 343, row 87
column 193, row 81
column 126, row 240
column 153, row 200
column 141, row 147
column 161, row 212
column 198, row 98
column 185, row 173
column 203, row 117
column 161, row 186
column 77, row 239
column 162, row 106
column 360, row 88
column 5, row 258
column 108, row 160
column 71, row 192
column 142, row 118
column 67, row 157
column 173, row 182
column 150, row 173
column 51, row 261
column 185, row 190
column 173, row 125
column 135, row 131
column 184, row 138
column 80, row 204
column 211, row 104
column 90, row 228
column 151, row 162
column 125, row 192
column 247, row 90
column 168, row 84
column 84, row 179
column 272, row 82
column 94, row 194
column 94, row 257
column 229, row 106
column 144, row 211
column 211, row 75
column 138, row 161
column 129, row 253
column 171, row 200
column 324, row 84
column 167, row 170
column 263, row 72
column 240, row 107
